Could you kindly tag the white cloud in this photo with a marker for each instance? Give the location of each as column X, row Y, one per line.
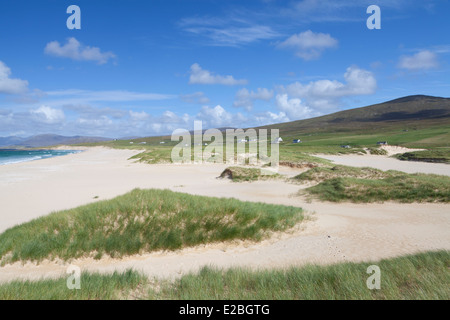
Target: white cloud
column 102, row 122
column 228, row 31
column 196, row 97
column 271, row 118
column 309, row 45
column 201, row 76
column 423, row 60
column 359, row 82
column 292, row 108
column 170, row 117
column 215, row 117
column 245, row 98
column 80, row 97
column 87, row 111
column 325, row 95
column 73, row 49
column 9, row 85
column 139, row 116
column 48, row 115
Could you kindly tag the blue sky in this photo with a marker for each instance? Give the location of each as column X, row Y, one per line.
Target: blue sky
column 138, row 68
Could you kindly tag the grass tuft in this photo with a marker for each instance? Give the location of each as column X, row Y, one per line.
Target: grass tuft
column 240, row 174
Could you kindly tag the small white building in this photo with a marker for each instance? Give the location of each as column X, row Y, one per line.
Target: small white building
column 277, row 140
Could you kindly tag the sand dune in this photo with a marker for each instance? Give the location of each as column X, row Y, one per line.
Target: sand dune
column 337, row 232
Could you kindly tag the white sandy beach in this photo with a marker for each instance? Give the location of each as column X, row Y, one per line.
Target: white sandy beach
column 336, row 232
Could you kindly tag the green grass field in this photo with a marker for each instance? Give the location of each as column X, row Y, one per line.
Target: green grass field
column 421, row 276
column 143, row 221
column 436, row 138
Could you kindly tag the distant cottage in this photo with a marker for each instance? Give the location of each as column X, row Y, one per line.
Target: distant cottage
column 277, row 140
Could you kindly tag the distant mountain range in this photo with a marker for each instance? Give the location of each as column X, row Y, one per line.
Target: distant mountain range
column 45, row 140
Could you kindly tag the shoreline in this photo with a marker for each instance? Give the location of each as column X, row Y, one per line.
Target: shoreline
column 36, row 157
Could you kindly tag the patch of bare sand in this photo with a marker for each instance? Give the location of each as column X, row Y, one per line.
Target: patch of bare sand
column 391, row 150
column 338, row 232
column 385, row 162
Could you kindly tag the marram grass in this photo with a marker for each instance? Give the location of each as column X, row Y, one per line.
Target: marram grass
column 363, row 185
column 143, row 221
column 423, row 276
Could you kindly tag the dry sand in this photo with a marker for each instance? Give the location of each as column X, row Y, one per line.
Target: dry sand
column 388, row 163
column 336, row 232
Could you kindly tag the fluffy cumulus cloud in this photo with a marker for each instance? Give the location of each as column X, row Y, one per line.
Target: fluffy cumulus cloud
column 215, row 117
column 309, row 45
column 10, row 85
column 293, row 108
column 48, row 115
column 245, row 98
column 325, row 95
column 201, row 76
column 218, row 117
column 269, row 117
column 74, row 50
column 423, row 60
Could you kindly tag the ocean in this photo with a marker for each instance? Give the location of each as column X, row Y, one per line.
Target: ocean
column 8, row 156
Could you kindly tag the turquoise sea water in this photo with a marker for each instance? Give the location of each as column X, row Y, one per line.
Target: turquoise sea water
column 15, row 156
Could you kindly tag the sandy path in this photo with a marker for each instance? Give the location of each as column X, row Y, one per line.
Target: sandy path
column 339, row 232
column 387, row 163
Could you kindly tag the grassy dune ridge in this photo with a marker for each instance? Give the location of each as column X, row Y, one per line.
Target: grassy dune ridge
column 436, row 155
column 419, row 276
column 362, row 185
column 143, row 221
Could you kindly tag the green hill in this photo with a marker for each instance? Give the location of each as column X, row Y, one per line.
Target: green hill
column 410, row 112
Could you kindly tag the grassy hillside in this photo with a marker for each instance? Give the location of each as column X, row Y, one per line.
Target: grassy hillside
column 414, row 121
column 412, row 112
